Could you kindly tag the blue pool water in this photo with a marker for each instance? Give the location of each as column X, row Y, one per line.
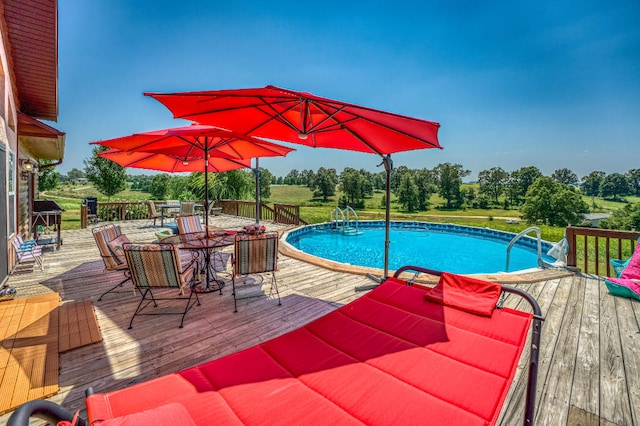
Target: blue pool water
column 452, row 248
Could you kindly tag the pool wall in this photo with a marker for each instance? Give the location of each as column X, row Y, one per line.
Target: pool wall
column 532, row 275
column 525, row 241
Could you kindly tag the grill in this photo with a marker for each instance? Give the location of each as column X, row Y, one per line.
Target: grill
column 47, row 215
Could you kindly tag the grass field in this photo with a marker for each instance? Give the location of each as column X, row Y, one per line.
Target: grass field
column 315, row 210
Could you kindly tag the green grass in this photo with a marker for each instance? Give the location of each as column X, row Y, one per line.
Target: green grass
column 602, row 205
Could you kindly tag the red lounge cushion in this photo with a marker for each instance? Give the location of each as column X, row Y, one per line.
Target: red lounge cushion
column 465, row 293
column 171, row 414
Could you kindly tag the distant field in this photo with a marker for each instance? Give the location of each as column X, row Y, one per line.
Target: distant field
column 314, row 210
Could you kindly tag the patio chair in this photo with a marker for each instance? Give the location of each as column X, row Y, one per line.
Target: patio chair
column 187, row 208
column 153, row 213
column 189, row 224
column 255, row 254
column 109, row 239
column 25, row 251
column 174, row 210
column 158, row 266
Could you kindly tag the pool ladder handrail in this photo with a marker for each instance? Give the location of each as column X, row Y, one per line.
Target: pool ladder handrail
column 520, row 235
column 334, row 217
column 350, row 210
column 345, row 223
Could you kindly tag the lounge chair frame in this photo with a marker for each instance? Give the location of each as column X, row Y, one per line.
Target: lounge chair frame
column 534, row 347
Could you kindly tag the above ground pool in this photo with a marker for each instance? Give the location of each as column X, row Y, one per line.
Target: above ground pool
column 445, row 247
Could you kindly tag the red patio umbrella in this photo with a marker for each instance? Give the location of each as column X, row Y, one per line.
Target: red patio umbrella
column 171, row 164
column 184, row 149
column 306, row 119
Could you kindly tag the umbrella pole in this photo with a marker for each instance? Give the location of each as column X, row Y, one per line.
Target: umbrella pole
column 388, row 166
column 256, row 171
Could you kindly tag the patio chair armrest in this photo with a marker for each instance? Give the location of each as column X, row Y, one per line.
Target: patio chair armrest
column 45, row 410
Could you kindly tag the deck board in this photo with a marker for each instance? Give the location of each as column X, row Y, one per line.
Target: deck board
column 590, row 349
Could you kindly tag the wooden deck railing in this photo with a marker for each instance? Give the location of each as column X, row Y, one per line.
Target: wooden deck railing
column 131, row 210
column 279, row 213
column 591, row 249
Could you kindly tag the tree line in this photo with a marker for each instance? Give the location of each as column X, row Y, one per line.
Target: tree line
column 553, row 200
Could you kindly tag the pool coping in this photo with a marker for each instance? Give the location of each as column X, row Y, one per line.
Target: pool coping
column 518, row 277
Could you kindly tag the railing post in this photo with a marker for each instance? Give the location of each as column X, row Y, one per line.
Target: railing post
column 83, row 216
column 571, row 238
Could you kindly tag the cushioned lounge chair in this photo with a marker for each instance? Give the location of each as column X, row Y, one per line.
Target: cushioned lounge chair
column 399, row 354
column 110, row 239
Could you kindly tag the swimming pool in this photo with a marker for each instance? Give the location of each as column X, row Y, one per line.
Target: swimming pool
column 445, row 247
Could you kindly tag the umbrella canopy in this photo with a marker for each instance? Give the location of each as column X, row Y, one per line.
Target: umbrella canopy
column 195, row 148
column 303, row 118
column 171, row 164
column 193, row 142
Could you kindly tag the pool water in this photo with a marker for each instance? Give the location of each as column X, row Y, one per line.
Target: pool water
column 452, row 248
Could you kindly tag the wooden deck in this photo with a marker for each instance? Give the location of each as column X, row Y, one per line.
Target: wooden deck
column 589, row 359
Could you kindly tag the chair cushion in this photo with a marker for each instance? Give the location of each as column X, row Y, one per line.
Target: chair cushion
column 115, row 246
column 633, row 268
column 169, row 414
column 465, row 293
column 624, row 287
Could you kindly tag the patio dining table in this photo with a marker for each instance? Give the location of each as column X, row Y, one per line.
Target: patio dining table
column 207, row 248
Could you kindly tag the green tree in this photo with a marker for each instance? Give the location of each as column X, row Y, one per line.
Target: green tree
column 108, row 177
column 626, row 218
column 408, row 193
column 552, row 203
column 565, row 176
column 426, row 183
column 292, row 178
column 614, row 185
column 159, row 186
column 396, row 177
column 449, row 178
column 492, row 182
column 324, row 183
column 591, row 183
column 519, row 182
column 633, row 176
column 48, row 178
column 265, row 183
column 75, row 174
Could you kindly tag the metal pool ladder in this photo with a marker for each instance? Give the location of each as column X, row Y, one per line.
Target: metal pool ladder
column 343, row 222
column 520, row 235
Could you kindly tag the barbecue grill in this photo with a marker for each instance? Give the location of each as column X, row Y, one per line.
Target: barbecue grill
column 47, row 215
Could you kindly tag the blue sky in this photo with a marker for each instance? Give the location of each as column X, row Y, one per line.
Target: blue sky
column 549, row 84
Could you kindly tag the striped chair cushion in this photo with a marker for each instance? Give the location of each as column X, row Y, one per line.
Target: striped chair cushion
column 187, row 208
column 256, row 253
column 156, row 265
column 188, row 224
column 103, row 235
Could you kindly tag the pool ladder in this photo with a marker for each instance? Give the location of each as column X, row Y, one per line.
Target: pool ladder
column 343, row 221
column 520, row 235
